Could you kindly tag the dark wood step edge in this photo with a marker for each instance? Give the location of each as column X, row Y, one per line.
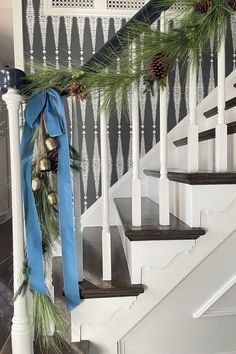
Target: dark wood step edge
column 206, row 135
column 228, row 105
column 149, row 234
column 198, row 178
column 133, row 290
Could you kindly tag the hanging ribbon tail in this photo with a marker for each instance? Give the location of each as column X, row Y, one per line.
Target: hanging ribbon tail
column 51, row 103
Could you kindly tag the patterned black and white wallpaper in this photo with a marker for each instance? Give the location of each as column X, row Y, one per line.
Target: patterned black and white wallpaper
column 65, row 40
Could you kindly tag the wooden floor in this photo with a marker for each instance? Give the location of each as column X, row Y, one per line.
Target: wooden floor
column 78, row 348
column 6, row 294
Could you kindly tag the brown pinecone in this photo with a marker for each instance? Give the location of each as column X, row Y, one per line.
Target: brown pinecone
column 159, row 68
column 203, row 6
column 53, row 157
column 232, row 4
column 78, row 90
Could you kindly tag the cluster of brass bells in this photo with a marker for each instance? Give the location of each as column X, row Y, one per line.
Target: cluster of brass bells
column 44, row 163
column 45, row 166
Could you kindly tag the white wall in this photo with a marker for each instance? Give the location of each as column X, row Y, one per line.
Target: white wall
column 5, row 204
column 6, row 33
column 6, row 58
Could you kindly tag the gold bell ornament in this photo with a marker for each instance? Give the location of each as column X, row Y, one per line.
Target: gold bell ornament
column 52, row 198
column 36, row 184
column 44, row 165
column 51, row 143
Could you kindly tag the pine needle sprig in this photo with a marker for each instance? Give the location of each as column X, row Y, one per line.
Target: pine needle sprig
column 49, row 331
column 23, row 288
column 48, row 216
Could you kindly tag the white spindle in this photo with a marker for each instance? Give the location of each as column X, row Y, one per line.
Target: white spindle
column 193, row 127
column 136, row 182
column 76, row 193
column 164, row 207
column 221, row 128
column 106, row 235
column 21, row 330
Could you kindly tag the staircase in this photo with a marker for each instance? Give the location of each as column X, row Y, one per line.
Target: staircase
column 152, row 287
column 173, row 264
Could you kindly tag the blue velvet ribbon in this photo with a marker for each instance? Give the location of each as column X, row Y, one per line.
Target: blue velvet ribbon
column 50, row 102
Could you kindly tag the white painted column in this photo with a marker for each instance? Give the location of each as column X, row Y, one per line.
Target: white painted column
column 193, row 127
column 221, row 128
column 21, row 330
column 164, row 204
column 136, row 182
column 106, row 235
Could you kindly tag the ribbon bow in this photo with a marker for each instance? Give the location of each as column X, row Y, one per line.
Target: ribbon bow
column 51, row 103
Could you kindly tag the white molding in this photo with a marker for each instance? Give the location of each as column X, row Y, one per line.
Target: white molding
column 99, row 10
column 18, row 34
column 217, row 296
column 121, row 347
column 227, row 311
column 234, row 352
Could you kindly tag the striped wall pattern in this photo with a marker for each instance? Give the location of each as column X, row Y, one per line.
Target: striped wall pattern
column 69, row 40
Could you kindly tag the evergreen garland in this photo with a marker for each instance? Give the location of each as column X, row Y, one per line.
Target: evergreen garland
column 199, row 21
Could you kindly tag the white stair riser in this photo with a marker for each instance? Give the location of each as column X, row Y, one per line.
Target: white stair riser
column 187, row 201
column 95, row 311
column 141, row 254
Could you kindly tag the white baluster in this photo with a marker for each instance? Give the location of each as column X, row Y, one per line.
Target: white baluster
column 136, row 182
column 106, row 236
column 21, row 330
column 77, row 194
column 221, row 128
column 193, row 127
column 164, row 207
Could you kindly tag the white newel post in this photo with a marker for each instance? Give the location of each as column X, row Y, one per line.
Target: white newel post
column 21, row 330
column 136, row 182
column 164, row 208
column 193, row 127
column 221, row 128
column 106, row 235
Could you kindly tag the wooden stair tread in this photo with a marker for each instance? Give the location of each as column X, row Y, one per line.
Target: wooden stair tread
column 150, row 229
column 228, row 105
column 206, row 135
column 93, row 286
column 197, row 178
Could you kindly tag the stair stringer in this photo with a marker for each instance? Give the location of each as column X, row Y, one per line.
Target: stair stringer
column 177, row 157
column 159, row 282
